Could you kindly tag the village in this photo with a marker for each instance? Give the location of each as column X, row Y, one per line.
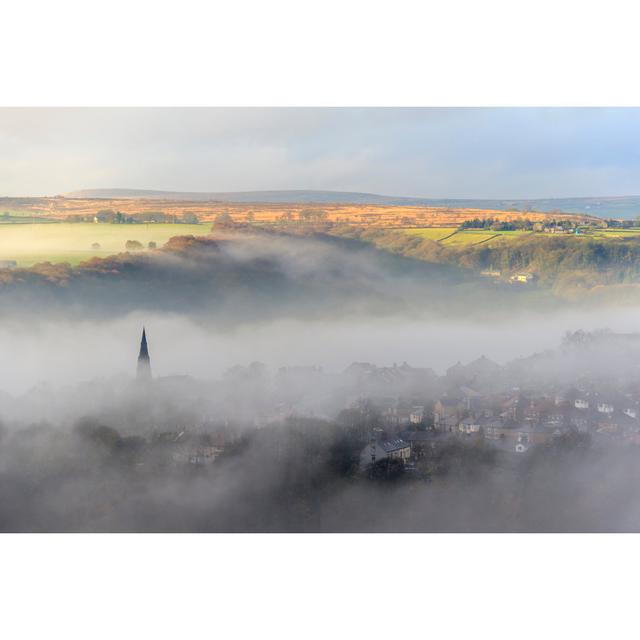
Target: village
column 373, row 417
column 515, row 408
column 397, row 414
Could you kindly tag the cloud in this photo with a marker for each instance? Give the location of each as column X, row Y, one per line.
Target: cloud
column 480, row 153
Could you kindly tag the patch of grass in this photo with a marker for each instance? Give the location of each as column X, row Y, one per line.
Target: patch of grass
column 450, row 235
column 615, row 233
column 29, row 244
column 432, row 233
column 470, row 237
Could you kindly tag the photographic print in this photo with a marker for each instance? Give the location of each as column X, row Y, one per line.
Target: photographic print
column 319, row 320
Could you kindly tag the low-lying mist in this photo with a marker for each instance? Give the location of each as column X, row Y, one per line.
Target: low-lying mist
column 212, row 303
column 251, row 339
column 60, row 352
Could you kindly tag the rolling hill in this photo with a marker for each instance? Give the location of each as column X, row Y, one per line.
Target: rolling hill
column 609, row 206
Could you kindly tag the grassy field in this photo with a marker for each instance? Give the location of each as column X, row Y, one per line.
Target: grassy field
column 29, row 244
column 433, row 233
column 449, row 236
column 614, row 233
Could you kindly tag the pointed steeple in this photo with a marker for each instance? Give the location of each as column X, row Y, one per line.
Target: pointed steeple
column 144, row 363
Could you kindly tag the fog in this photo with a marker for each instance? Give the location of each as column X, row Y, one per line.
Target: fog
column 279, row 300
column 252, row 341
column 66, row 352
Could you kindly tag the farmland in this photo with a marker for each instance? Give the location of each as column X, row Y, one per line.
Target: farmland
column 62, row 229
column 29, row 244
column 615, row 233
column 450, row 236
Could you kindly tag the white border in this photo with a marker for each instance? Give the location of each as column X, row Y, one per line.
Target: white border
column 318, row 587
column 408, row 53
column 334, row 52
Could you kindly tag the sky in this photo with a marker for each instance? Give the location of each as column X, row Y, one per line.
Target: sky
column 427, row 152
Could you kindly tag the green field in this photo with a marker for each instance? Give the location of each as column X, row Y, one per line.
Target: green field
column 449, row 236
column 432, row 233
column 614, row 233
column 29, row 244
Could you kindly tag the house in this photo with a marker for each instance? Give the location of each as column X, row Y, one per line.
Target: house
column 378, row 450
column 390, row 410
column 422, row 442
column 469, row 426
column 553, row 419
column 531, row 435
column 510, row 407
column 581, row 403
column 473, row 399
column 617, row 423
column 522, row 278
column 517, row 440
column 494, row 428
column 8, row 264
column 605, row 407
column 417, row 415
column 447, row 413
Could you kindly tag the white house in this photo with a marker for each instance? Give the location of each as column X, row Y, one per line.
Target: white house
column 469, row 426
column 524, row 278
column 604, row 407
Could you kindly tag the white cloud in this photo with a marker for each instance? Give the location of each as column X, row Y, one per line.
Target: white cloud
column 428, row 152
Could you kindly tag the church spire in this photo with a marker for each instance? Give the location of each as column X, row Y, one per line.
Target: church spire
column 144, row 363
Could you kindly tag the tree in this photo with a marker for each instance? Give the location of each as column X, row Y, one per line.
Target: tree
column 152, row 245
column 223, row 219
column 190, row 218
column 96, row 246
column 133, row 245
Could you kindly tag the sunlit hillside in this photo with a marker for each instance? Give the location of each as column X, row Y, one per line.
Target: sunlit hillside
column 72, row 209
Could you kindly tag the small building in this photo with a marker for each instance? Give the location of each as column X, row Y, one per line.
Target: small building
column 522, row 278
column 8, row 264
column 422, row 442
column 417, row 415
column 378, row 450
column 494, row 429
column 554, row 419
column 605, row 407
column 447, row 413
column 469, row 426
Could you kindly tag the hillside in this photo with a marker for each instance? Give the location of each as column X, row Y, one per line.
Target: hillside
column 381, row 215
column 237, row 276
column 605, row 265
column 608, row 206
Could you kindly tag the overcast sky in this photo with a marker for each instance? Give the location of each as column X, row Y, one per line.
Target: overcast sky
column 458, row 153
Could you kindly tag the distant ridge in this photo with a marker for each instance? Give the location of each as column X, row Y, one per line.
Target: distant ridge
column 615, row 207
column 287, row 196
